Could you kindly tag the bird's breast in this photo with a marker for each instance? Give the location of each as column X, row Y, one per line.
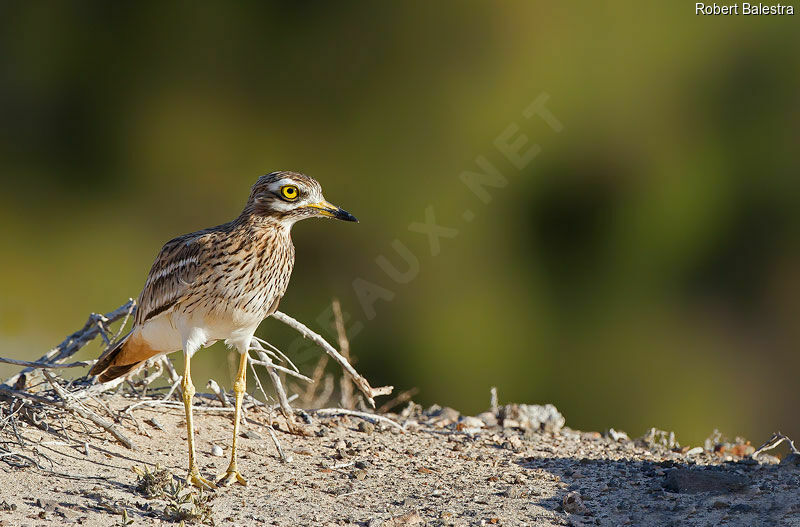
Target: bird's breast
column 242, row 285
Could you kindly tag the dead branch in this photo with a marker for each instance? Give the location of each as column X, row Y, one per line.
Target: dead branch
column 94, row 326
column 281, row 453
column 173, row 375
column 369, row 392
column 46, row 365
column 275, row 352
column 102, row 423
column 214, row 387
column 77, row 408
column 286, row 408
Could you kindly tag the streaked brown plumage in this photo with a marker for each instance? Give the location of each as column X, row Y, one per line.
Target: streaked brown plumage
column 219, row 284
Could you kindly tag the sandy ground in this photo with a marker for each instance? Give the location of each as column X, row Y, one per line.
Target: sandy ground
column 442, row 470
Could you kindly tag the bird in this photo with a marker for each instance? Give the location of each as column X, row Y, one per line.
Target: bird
column 218, row 284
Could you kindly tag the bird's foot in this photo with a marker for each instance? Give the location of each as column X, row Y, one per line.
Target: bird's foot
column 232, row 475
column 194, row 478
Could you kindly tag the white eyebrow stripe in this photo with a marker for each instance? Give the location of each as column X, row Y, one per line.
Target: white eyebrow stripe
column 284, row 181
column 171, row 268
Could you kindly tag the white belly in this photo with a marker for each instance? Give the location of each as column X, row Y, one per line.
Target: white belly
column 178, row 330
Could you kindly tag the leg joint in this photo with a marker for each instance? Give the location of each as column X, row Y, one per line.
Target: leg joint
column 188, row 390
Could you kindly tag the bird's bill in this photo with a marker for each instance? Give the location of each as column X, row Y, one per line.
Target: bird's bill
column 329, row 210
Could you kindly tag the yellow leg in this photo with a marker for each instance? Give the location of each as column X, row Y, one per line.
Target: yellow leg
column 194, row 477
column 239, row 386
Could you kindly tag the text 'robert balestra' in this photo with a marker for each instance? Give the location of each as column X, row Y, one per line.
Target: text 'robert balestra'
column 746, row 9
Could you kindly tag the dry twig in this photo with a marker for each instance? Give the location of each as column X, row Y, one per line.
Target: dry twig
column 369, row 392
column 363, row 415
column 773, row 442
column 324, row 395
column 319, row 371
column 46, row 365
column 271, row 365
column 397, row 401
column 69, row 406
column 214, row 387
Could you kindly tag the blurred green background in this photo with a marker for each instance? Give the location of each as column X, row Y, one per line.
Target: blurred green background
column 643, row 270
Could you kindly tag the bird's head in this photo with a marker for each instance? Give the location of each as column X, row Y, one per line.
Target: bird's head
column 289, row 197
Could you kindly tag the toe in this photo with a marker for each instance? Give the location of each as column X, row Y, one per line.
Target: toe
column 231, row 477
column 200, row 482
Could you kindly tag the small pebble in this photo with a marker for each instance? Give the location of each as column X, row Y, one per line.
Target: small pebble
column 573, row 504
column 471, row 422
column 488, row 418
column 513, row 492
column 251, row 435
column 216, row 450
column 366, row 427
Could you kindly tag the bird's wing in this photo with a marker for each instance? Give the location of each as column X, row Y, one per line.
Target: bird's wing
column 175, row 271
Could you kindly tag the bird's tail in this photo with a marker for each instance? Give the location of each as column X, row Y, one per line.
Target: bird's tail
column 118, row 360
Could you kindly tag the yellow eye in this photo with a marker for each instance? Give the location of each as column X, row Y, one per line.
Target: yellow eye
column 289, row 192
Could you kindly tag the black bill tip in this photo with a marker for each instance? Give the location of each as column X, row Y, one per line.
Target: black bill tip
column 343, row 215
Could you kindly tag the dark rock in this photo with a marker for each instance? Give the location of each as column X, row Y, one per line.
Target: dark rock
column 742, row 507
column 792, row 459
column 513, row 492
column 432, row 410
column 303, row 415
column 693, row 481
column 366, row 427
column 573, row 504
column 48, row 505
